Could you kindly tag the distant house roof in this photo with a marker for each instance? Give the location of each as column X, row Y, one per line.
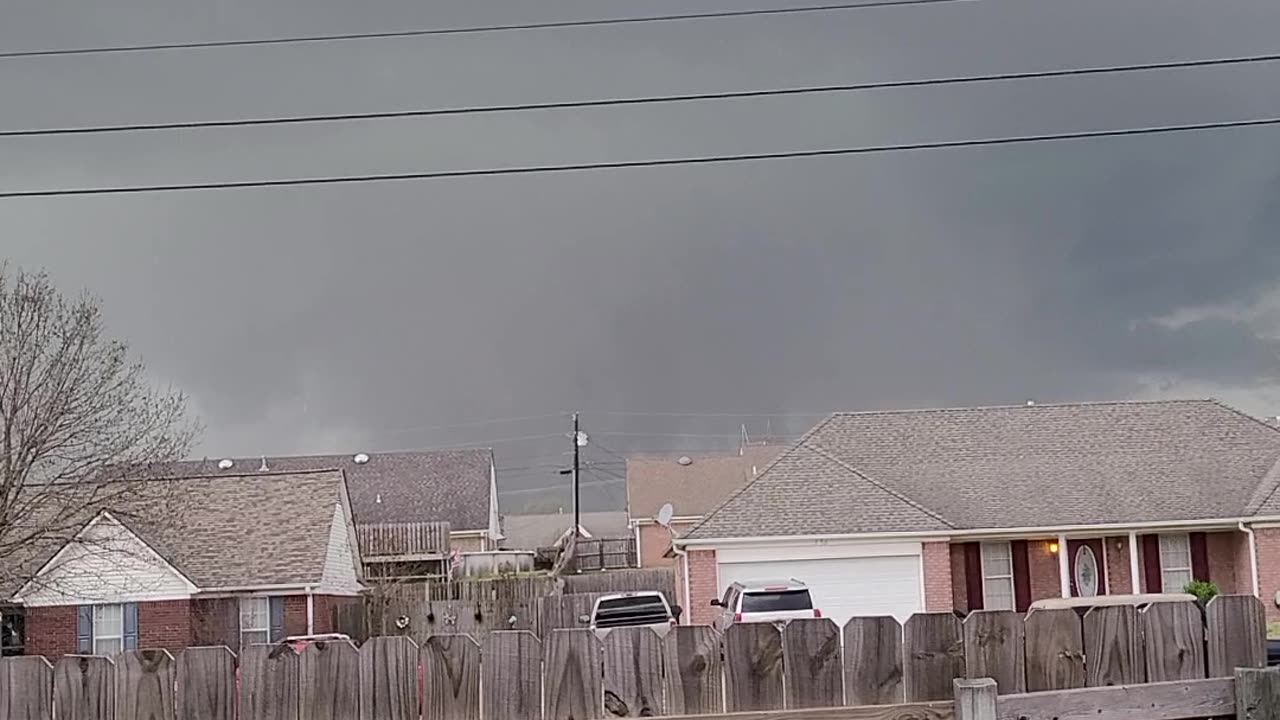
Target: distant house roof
column 1006, row 467
column 693, row 489
column 420, row 486
column 241, row 530
column 530, row 532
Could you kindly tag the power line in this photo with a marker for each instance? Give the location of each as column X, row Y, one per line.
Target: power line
column 474, row 30
column 661, row 162
column 642, row 100
column 623, row 413
column 476, row 423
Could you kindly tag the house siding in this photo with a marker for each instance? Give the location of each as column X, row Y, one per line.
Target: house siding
column 654, row 541
column 339, row 575
column 938, row 589
column 704, row 586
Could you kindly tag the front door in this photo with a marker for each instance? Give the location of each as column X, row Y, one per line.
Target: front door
column 1088, row 571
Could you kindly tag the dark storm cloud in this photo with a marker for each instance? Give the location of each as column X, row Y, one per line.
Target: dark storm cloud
column 332, row 318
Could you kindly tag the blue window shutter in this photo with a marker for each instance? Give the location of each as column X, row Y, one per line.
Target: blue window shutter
column 277, row 619
column 130, row 613
column 84, row 630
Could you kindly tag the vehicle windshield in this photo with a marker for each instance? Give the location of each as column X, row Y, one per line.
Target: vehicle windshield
column 641, row 610
column 778, row 601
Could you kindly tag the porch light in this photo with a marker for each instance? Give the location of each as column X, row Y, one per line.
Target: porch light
column 1053, row 548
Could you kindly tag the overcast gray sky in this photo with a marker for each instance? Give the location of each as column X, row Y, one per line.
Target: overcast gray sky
column 348, row 318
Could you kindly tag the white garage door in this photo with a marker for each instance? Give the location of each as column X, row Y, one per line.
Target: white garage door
column 843, row 587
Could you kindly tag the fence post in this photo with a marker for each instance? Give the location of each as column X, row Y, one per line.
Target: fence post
column 975, row 699
column 1257, row 694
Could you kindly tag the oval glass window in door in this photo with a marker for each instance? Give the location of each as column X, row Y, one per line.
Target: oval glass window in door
column 1086, row 572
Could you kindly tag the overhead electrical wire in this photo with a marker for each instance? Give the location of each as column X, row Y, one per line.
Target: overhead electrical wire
column 476, row 29
column 644, row 100
column 652, row 163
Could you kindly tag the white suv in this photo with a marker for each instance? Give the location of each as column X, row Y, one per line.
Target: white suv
column 765, row 602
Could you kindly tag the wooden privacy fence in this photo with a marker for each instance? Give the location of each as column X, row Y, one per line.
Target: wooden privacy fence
column 575, row 675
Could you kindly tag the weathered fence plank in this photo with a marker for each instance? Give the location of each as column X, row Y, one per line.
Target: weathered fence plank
column 1173, row 641
column 633, row 671
column 146, row 685
column 451, row 678
column 269, row 683
column 207, row 684
column 329, row 681
column 934, row 655
column 813, row 664
column 512, row 671
column 1157, row 701
column 753, row 667
column 695, row 680
column 1055, row 650
column 389, row 679
column 573, row 676
column 1110, row 646
column 84, row 688
column 1257, row 694
column 873, row 661
column 975, row 698
column 1236, row 634
column 994, row 647
column 26, row 688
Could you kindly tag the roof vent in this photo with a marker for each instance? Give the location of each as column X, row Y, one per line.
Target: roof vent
column 263, row 467
column 360, row 458
column 225, row 463
column 1031, row 403
column 685, row 460
column 378, row 499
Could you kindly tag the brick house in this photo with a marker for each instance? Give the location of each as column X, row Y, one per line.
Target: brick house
column 231, row 559
column 960, row 509
column 694, row 484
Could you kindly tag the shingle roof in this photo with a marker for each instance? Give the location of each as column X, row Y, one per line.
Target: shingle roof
column 420, row 486
column 693, row 489
column 530, row 532
column 235, row 530
column 1017, row 466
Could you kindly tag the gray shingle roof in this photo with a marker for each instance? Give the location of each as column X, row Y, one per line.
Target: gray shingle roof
column 421, row 486
column 1004, row 467
column 694, row 489
column 231, row 530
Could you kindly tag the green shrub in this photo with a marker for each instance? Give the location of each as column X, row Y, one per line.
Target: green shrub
column 1202, row 589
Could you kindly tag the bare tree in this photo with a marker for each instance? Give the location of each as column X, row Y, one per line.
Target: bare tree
column 79, row 423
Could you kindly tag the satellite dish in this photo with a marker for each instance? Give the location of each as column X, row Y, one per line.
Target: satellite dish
column 665, row 514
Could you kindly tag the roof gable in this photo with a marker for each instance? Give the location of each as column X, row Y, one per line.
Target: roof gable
column 105, row 562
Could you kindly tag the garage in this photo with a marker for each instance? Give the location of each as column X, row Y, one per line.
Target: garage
column 856, row 580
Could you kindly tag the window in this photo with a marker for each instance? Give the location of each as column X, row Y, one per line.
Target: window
column 255, row 621
column 780, row 601
column 1175, row 562
column 108, row 629
column 997, row 576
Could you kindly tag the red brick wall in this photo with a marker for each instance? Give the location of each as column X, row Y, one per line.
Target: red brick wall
column 325, row 608
column 1042, row 566
column 704, row 586
column 1223, row 572
column 295, row 615
column 1118, row 575
column 959, row 590
column 1268, row 540
column 51, row 631
column 938, row 595
column 1244, row 565
column 164, row 624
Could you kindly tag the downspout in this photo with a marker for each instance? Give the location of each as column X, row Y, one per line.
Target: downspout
column 639, row 556
column 1253, row 555
column 684, row 561
column 311, row 612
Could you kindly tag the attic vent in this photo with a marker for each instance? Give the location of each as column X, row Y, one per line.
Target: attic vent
column 226, row 463
column 378, row 499
column 685, row 460
column 1031, row 403
column 360, row 458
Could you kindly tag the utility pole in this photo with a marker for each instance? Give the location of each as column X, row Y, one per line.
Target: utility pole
column 577, row 510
